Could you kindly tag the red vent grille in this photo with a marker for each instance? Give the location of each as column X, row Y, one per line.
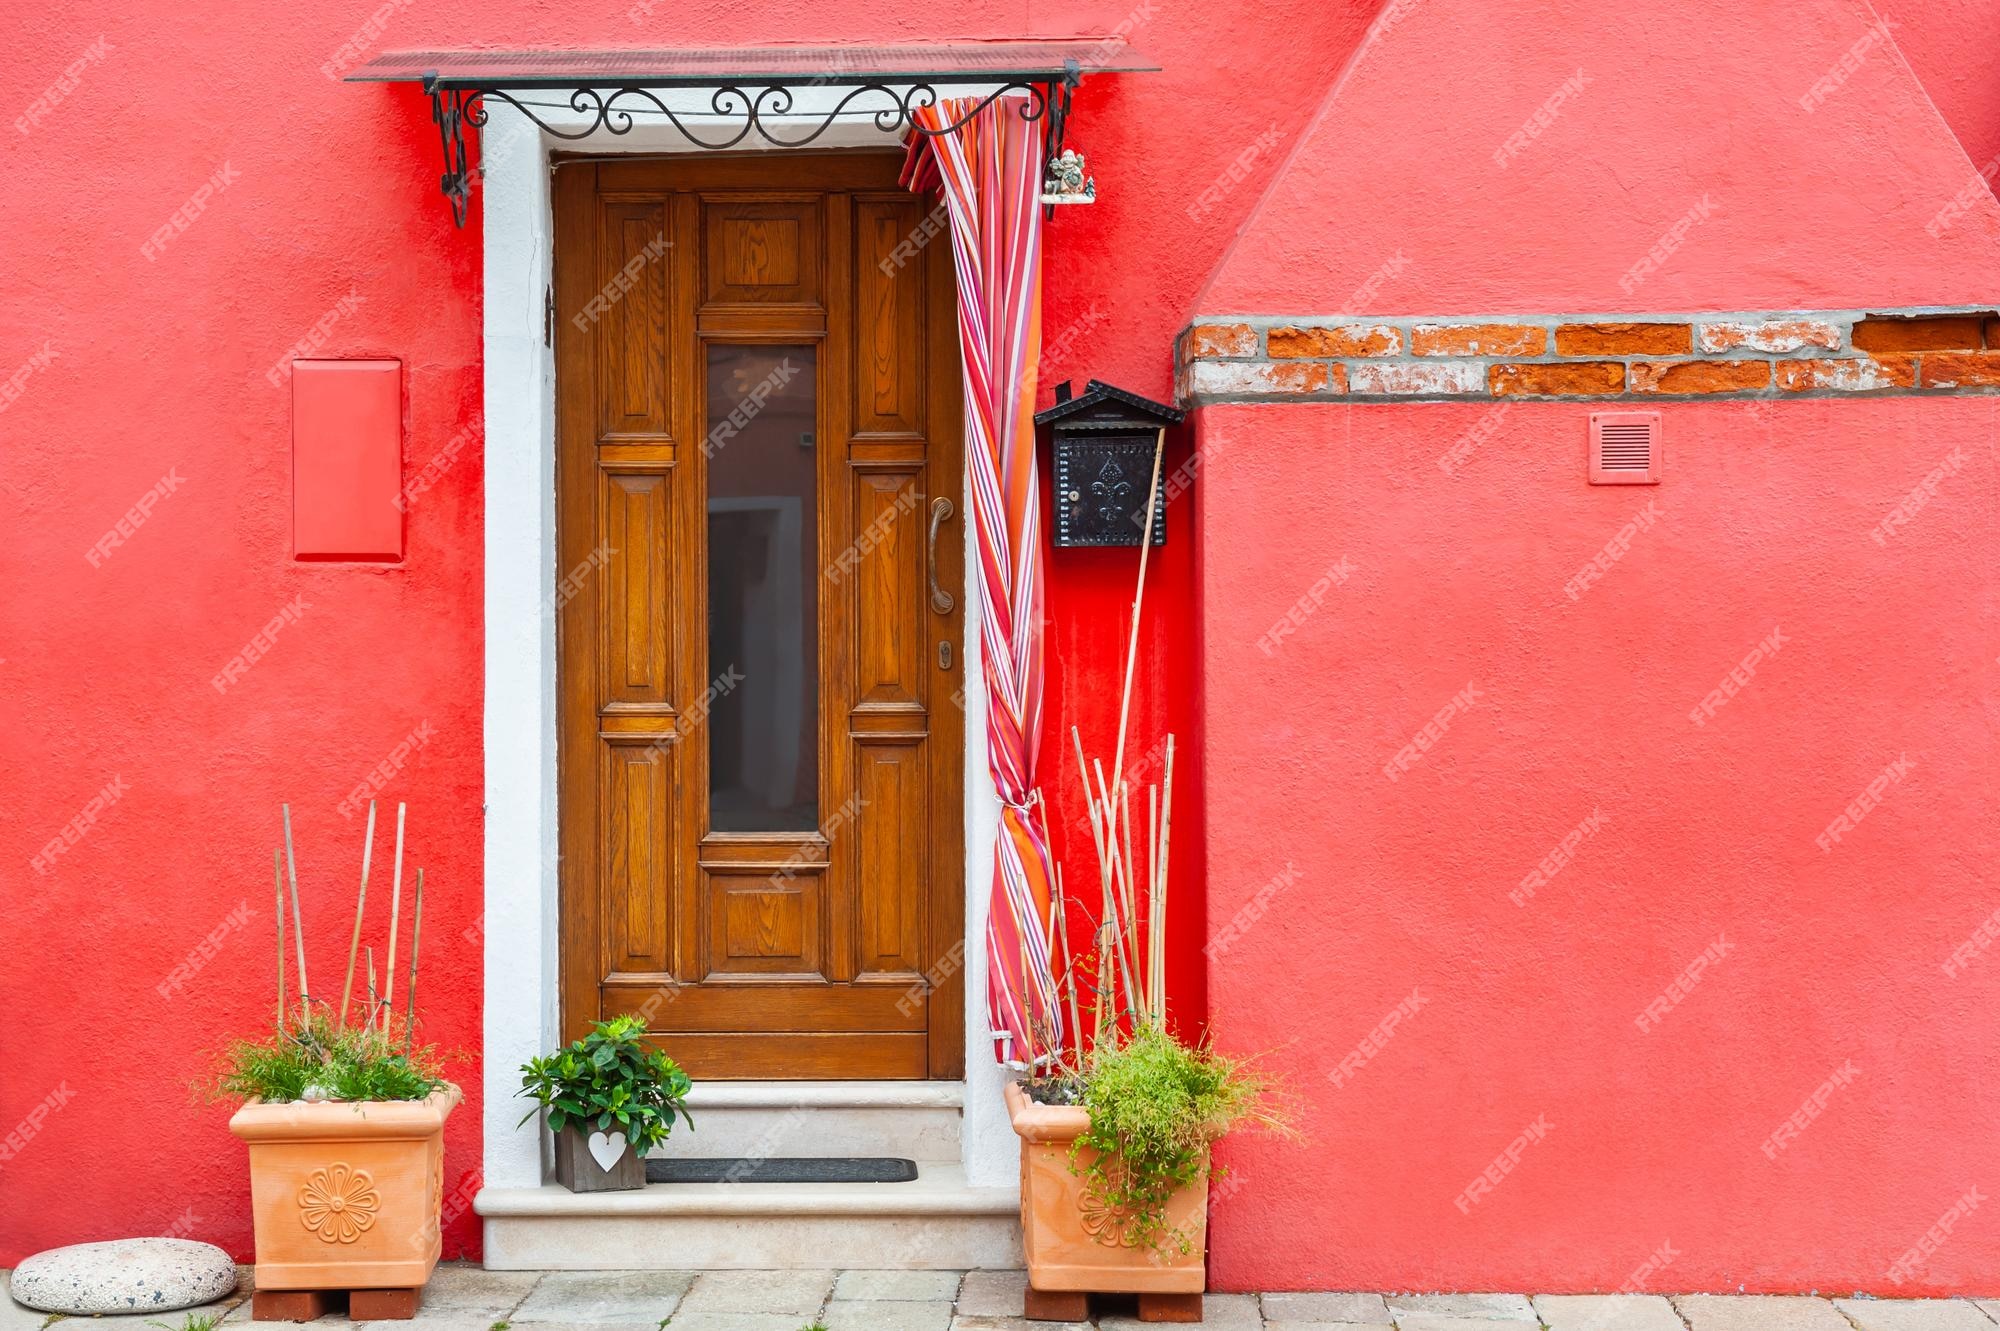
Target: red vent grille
column 1625, row 448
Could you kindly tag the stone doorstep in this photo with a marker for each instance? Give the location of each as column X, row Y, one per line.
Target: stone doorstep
column 937, row 1223
column 917, row 1120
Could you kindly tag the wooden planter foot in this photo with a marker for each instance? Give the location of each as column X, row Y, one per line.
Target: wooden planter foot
column 306, row 1305
column 1170, row 1307
column 288, row 1305
column 384, row 1305
column 1058, row 1305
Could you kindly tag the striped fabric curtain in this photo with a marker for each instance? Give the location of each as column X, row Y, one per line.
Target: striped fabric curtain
column 990, row 171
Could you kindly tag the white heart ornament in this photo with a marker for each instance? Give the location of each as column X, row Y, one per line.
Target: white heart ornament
column 607, row 1149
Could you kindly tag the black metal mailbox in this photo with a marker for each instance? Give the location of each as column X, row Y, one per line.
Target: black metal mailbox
column 1103, row 444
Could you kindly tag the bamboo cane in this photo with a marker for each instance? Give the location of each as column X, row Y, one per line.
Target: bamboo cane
column 1114, row 894
column 1027, row 1004
column 298, row 926
column 278, row 895
column 1107, row 976
column 1166, row 836
column 1153, row 900
column 360, row 906
column 1138, row 599
column 1069, row 963
column 369, row 1025
column 410, row 990
column 1138, row 994
column 395, row 920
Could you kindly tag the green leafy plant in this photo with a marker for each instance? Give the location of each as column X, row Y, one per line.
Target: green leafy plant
column 313, row 1059
column 609, row 1080
column 1156, row 1105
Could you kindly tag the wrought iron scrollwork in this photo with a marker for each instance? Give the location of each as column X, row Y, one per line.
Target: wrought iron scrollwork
column 740, row 110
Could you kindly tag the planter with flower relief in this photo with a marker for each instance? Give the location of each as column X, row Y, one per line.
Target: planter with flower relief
column 343, row 1114
column 345, row 1195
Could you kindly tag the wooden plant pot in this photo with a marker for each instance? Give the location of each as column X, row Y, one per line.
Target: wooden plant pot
column 1061, row 1220
column 344, row 1195
column 580, row 1169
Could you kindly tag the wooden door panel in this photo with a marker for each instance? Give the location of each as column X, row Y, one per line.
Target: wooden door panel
column 824, row 952
column 637, row 855
column 721, row 1009
column 628, row 312
column 762, row 252
column 637, row 558
column 893, row 788
column 888, row 313
column 885, row 589
column 763, row 924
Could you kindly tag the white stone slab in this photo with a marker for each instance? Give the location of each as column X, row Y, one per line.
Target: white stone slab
column 1759, row 1312
column 1914, row 1315
column 1362, row 1309
column 890, row 1315
column 1492, row 1307
column 891, row 1286
column 130, row 1276
column 589, row 1298
column 1607, row 1312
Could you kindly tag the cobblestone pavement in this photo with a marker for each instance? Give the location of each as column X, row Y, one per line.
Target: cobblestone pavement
column 465, row 1298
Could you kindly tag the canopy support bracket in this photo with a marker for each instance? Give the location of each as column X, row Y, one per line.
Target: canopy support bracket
column 736, row 111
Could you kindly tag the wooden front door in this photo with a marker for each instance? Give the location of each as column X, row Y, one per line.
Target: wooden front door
column 758, row 614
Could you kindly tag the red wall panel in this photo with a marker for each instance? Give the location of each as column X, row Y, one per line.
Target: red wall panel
column 347, row 459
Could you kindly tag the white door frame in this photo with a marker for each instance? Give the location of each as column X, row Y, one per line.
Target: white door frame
column 521, row 922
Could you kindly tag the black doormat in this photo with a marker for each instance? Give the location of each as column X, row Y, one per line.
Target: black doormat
column 778, row 1169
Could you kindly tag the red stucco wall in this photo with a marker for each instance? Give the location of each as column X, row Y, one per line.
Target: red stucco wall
column 1612, row 1080
column 1531, row 1011
column 159, row 368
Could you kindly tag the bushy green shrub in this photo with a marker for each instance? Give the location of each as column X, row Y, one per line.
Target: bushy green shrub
column 1156, row 1105
column 355, row 1064
column 609, row 1080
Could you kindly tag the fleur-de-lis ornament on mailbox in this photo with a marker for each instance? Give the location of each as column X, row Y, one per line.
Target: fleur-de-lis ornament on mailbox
column 1103, row 441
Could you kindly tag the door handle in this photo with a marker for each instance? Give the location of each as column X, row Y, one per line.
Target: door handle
column 942, row 601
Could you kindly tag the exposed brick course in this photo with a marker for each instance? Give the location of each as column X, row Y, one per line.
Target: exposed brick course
column 1961, row 369
column 1556, row 379
column 1335, row 340
column 1478, row 340
column 1768, row 335
column 1698, row 376
column 1232, row 379
column 1624, row 339
column 1740, row 355
column 1852, row 375
column 1932, row 333
column 1206, row 340
column 1432, row 378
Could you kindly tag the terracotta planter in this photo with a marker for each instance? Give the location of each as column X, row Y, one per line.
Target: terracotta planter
column 346, row 1196
column 1061, row 1221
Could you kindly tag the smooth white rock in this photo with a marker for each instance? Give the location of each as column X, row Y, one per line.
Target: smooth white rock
column 124, row 1276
